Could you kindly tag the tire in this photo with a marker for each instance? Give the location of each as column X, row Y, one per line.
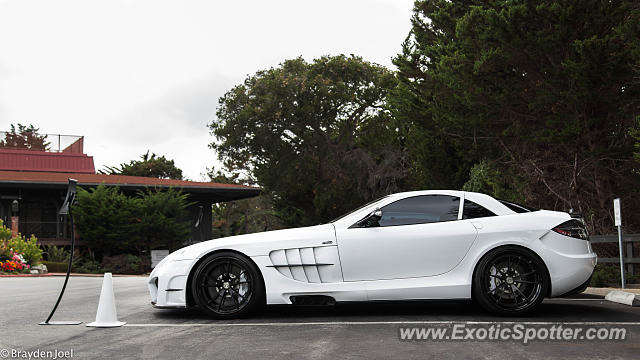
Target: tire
column 227, row 285
column 510, row 281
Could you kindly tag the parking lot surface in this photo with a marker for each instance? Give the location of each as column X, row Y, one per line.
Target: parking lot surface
column 368, row 331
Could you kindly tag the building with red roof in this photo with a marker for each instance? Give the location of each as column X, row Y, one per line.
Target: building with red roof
column 34, row 179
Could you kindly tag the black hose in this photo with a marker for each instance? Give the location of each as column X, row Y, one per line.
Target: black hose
column 66, row 279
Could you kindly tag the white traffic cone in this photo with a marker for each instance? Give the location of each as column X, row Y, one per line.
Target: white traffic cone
column 106, row 315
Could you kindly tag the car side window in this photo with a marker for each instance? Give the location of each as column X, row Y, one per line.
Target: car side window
column 472, row 210
column 420, row 210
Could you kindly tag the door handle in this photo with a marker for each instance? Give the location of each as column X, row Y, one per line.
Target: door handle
column 328, row 242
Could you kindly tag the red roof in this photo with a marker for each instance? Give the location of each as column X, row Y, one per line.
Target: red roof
column 33, row 160
column 43, row 177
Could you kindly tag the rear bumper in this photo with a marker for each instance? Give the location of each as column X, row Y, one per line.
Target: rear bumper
column 570, row 263
column 579, row 289
column 575, row 275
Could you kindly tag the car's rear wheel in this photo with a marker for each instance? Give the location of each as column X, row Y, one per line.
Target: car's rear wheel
column 227, row 285
column 510, row 281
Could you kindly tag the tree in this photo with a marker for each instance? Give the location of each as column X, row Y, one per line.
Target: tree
column 487, row 177
column 148, row 166
column 635, row 133
column 244, row 216
column 26, row 137
column 315, row 136
column 547, row 90
column 107, row 221
column 110, row 222
column 164, row 218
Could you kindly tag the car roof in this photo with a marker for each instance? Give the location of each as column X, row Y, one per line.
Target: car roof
column 484, row 200
column 458, row 193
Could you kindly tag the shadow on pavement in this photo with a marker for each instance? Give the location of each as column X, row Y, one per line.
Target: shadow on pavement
column 453, row 310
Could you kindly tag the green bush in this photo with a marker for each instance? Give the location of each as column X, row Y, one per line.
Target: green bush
column 56, row 254
column 56, row 267
column 5, row 232
column 125, row 264
column 608, row 274
column 87, row 265
column 5, row 252
column 29, row 248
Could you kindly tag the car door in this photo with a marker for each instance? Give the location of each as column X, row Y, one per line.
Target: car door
column 416, row 236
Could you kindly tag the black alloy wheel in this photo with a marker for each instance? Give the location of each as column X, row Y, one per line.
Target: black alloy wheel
column 227, row 285
column 510, row 281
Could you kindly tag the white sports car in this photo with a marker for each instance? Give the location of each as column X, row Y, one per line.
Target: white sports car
column 406, row 246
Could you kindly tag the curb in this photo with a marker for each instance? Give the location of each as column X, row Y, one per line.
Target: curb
column 623, row 297
column 25, row 275
column 96, row 275
column 604, row 291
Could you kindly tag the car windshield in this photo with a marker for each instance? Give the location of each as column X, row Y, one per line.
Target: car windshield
column 358, row 209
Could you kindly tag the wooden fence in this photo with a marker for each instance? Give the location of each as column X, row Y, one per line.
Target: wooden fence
column 630, row 261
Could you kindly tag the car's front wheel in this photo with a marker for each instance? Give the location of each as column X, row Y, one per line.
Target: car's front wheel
column 510, row 281
column 227, row 285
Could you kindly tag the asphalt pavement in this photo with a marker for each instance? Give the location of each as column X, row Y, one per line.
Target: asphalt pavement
column 368, row 331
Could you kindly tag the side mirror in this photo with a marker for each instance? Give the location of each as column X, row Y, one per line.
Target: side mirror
column 371, row 220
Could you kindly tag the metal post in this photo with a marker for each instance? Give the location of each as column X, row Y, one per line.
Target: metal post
column 621, row 255
column 617, row 214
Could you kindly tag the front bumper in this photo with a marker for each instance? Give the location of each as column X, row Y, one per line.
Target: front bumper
column 166, row 307
column 168, row 283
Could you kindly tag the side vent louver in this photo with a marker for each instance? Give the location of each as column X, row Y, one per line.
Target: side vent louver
column 309, row 264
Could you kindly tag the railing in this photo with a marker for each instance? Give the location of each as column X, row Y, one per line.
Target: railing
column 58, row 242
column 47, row 232
column 41, row 142
column 627, row 242
column 41, row 229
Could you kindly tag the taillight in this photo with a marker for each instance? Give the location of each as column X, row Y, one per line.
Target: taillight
column 573, row 228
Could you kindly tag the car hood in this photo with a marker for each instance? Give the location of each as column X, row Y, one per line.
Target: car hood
column 261, row 243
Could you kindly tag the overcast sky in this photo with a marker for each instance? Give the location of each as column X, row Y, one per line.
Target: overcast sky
column 138, row 75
